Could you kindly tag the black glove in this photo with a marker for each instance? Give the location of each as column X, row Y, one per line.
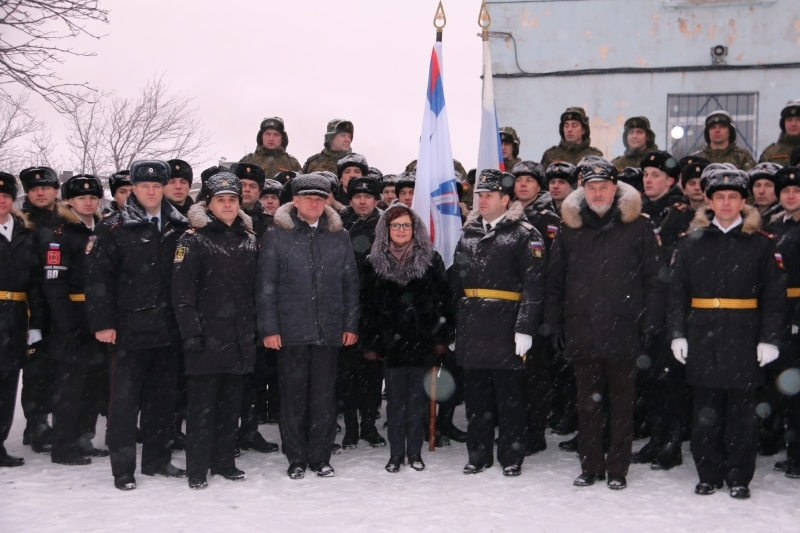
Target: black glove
column 73, row 339
column 557, row 342
column 193, row 344
column 647, row 340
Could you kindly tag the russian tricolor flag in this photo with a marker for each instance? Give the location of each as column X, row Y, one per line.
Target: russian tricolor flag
column 490, row 153
column 436, row 192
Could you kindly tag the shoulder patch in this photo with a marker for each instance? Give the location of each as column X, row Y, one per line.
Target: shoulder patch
column 54, row 254
column 527, row 225
column 552, row 230
column 679, row 206
column 180, row 253
column 90, row 243
column 537, row 248
column 779, row 261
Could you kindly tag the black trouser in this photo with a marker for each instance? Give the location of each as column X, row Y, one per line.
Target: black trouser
column 405, row 409
column 270, row 397
column 538, row 389
column 594, row 376
column 254, row 385
column 358, row 384
column 564, row 391
column 725, row 435
column 307, row 377
column 37, row 386
column 663, row 380
column 487, row 391
column 211, row 421
column 8, row 400
column 77, row 392
column 143, row 379
column 181, row 392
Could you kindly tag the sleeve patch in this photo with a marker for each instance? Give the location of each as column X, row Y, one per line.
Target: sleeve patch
column 779, row 261
column 54, row 254
column 551, row 231
column 537, row 249
column 180, row 253
column 90, row 244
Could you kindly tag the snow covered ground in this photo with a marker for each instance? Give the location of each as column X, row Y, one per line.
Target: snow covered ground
column 43, row 497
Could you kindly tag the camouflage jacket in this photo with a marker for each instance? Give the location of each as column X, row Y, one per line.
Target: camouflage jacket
column 272, row 161
column 632, row 157
column 509, row 163
column 780, row 151
column 569, row 152
column 325, row 160
column 412, row 167
column 739, row 157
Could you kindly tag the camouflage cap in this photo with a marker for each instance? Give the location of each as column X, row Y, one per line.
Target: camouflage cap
column 337, row 126
column 642, row 123
column 575, row 113
column 791, row 109
column 722, row 117
column 509, row 135
column 273, row 123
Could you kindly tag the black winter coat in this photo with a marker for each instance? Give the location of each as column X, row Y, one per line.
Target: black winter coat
column 129, row 276
column 65, row 274
column 787, row 240
column 606, row 280
column 213, row 293
column 405, row 309
column 362, row 233
column 20, row 271
column 307, row 280
column 184, row 209
column 671, row 215
column 42, row 221
column 541, row 213
column 261, row 219
column 511, row 257
column 738, row 264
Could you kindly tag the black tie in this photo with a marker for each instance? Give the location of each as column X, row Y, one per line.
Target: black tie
column 154, row 220
column 488, row 228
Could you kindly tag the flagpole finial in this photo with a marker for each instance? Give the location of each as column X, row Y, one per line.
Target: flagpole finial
column 484, row 21
column 439, row 21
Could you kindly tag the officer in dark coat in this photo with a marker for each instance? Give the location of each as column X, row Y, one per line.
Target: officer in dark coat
column 177, row 189
column 307, row 297
column 762, row 187
column 120, row 186
column 498, row 279
column 129, row 303
column 252, row 179
column 41, row 186
column 80, row 364
column 212, row 291
column 359, row 379
column 605, row 295
column 538, row 206
column 727, row 302
column 660, row 376
column 348, row 167
column 20, row 282
column 781, row 392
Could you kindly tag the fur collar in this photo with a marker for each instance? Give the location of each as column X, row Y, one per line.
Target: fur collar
column 751, row 219
column 16, row 213
column 515, row 212
column 778, row 217
column 132, row 213
column 283, row 218
column 387, row 267
column 199, row 217
column 65, row 212
column 629, row 203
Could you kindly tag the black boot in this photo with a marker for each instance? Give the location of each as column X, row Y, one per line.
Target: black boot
column 178, row 437
column 570, row 445
column 256, row 442
column 771, row 440
column 670, row 455
column 370, row 433
column 350, row 439
column 568, row 423
column 536, row 444
column 445, row 426
column 69, row 456
column 86, row 448
column 41, row 435
column 649, row 452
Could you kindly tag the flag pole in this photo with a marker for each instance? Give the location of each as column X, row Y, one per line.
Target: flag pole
column 439, row 22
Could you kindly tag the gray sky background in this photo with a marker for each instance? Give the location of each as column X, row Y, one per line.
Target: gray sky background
column 307, row 61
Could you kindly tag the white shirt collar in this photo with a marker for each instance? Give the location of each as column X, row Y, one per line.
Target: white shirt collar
column 494, row 222
column 160, row 220
column 8, row 228
column 82, row 222
column 737, row 222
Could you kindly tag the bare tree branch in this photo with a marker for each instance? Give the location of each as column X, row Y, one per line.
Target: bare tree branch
column 30, row 33
column 17, row 124
column 85, row 124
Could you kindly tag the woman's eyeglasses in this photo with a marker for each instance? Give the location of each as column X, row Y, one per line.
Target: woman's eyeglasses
column 398, row 227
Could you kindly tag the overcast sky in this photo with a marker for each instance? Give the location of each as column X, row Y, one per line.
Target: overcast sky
column 307, row 61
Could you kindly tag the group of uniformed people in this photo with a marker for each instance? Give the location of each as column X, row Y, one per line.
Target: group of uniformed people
column 639, row 297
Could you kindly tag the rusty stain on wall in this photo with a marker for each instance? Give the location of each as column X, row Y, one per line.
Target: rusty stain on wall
column 642, row 62
column 527, row 20
column 588, row 33
column 604, row 51
column 740, row 56
column 732, row 34
column 509, row 43
column 683, row 26
column 606, row 134
column 654, row 28
column 712, row 32
column 797, row 27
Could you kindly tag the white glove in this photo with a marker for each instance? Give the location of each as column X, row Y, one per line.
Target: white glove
column 795, row 329
column 523, row 342
column 766, row 353
column 680, row 349
column 34, row 335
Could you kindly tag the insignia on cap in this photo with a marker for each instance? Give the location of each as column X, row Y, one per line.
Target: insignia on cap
column 224, row 182
column 38, row 177
column 727, row 179
column 597, row 170
column 177, row 167
column 2, row 183
column 652, row 157
column 150, row 170
column 85, row 185
column 483, row 178
column 791, row 176
column 697, row 169
column 247, row 169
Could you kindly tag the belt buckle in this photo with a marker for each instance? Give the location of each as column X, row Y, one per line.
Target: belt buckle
column 9, row 295
column 715, row 303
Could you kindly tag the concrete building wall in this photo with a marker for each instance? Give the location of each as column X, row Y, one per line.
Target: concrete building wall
column 537, row 46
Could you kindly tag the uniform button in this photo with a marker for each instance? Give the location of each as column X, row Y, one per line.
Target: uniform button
column 715, row 303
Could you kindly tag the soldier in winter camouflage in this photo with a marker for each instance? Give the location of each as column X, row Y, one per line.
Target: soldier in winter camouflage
column 575, row 139
column 270, row 153
column 720, row 135
column 789, row 139
column 509, row 143
column 638, row 139
column 457, row 166
column 337, row 145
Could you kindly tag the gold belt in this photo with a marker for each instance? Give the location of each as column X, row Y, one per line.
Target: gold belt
column 77, row 297
column 13, row 296
column 491, row 293
column 724, row 303
column 793, row 292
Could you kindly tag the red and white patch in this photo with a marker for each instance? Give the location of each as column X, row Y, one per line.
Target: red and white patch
column 779, row 261
column 54, row 257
